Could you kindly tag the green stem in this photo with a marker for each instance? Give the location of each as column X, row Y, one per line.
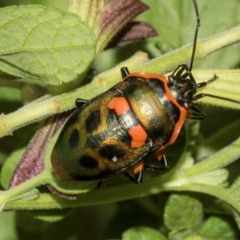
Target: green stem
column 218, row 192
column 49, row 106
column 220, row 159
column 11, row 194
column 120, row 193
column 177, row 179
column 204, row 48
column 225, row 134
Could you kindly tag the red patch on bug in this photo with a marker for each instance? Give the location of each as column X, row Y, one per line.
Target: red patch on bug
column 119, row 104
column 138, row 167
column 138, row 135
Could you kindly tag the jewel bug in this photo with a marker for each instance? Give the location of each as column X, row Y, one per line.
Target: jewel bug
column 116, row 130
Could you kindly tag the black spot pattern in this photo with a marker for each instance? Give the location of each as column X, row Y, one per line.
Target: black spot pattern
column 112, row 152
column 74, row 139
column 88, row 162
column 93, row 121
column 94, row 141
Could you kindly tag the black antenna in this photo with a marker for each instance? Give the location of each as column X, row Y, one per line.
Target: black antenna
column 195, row 34
column 192, row 59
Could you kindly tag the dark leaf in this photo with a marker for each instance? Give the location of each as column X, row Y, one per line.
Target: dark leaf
column 116, row 15
column 133, row 32
column 32, row 162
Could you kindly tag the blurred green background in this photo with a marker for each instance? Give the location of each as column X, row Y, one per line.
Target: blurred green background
column 175, row 25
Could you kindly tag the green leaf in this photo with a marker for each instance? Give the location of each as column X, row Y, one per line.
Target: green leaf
column 215, row 177
column 177, row 21
column 234, row 190
column 237, row 217
column 193, row 238
column 9, row 167
column 53, row 3
column 143, row 233
column 50, row 216
column 183, row 235
column 29, row 195
column 8, row 95
column 183, row 213
column 12, row 161
column 43, row 44
column 217, row 228
column 7, row 226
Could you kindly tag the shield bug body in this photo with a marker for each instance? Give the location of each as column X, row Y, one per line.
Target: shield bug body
column 117, row 129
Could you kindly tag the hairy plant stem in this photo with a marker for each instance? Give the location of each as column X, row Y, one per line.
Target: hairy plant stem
column 48, row 105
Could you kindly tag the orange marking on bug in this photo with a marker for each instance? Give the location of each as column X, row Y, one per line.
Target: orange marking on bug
column 178, row 125
column 119, row 104
column 138, row 167
column 159, row 153
column 183, row 112
column 138, row 135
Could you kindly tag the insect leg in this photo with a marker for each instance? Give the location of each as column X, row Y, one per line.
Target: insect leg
column 124, row 72
column 163, row 160
column 80, row 102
